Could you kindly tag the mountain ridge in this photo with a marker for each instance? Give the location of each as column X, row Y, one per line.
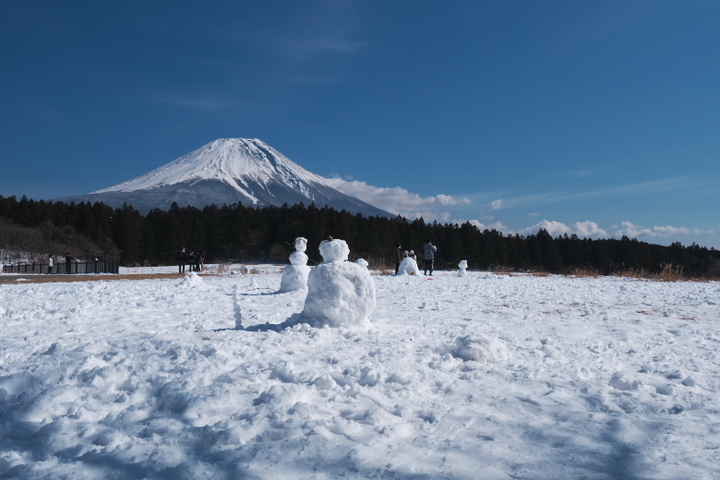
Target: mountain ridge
column 226, row 171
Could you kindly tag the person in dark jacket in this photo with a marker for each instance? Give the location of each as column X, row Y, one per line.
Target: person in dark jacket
column 398, row 257
column 429, row 250
column 68, row 263
column 182, row 260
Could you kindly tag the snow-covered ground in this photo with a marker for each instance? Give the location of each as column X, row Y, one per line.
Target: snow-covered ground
column 484, row 377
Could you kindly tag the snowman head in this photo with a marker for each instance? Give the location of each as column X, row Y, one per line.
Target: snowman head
column 300, row 244
column 334, row 250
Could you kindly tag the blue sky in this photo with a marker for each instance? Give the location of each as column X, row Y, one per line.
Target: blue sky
column 597, row 118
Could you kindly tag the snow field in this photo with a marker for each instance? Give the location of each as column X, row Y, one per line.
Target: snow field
column 488, row 376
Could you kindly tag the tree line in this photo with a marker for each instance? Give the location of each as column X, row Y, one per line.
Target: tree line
column 240, row 233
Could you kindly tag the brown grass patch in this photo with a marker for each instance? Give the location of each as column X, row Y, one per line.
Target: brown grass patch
column 585, row 273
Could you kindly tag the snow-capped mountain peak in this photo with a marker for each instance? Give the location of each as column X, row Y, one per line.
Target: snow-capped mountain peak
column 233, row 161
column 227, row 171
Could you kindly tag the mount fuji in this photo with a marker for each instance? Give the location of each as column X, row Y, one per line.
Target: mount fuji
column 227, row 171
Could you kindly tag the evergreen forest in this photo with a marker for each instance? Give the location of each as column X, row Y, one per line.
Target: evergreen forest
column 239, row 233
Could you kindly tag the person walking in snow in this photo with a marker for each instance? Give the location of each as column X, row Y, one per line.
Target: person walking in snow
column 68, row 263
column 50, row 263
column 429, row 250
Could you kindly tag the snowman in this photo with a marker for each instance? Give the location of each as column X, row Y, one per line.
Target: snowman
column 340, row 293
column 295, row 275
column 462, row 266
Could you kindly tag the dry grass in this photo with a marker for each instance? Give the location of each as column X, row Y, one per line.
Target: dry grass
column 540, row 274
column 669, row 273
column 380, row 266
column 500, row 269
column 585, row 273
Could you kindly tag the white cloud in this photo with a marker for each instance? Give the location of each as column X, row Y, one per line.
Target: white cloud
column 589, row 229
column 496, row 204
column 499, row 226
column 631, row 230
column 554, row 228
column 398, row 200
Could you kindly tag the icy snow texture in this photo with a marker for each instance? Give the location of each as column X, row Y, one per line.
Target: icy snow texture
column 362, row 262
column 479, row 348
column 146, row 379
column 408, row 266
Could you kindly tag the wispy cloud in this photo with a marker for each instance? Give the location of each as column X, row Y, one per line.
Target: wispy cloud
column 302, row 33
column 631, row 230
column 400, row 201
column 496, row 204
column 634, row 189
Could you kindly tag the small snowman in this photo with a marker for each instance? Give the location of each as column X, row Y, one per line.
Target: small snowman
column 462, row 266
column 295, row 275
column 340, row 293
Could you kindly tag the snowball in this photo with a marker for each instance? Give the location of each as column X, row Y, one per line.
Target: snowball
column 294, row 278
column 362, row 262
column 479, row 348
column 408, row 266
column 340, row 294
column 334, row 250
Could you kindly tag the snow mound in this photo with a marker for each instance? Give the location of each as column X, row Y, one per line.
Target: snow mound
column 192, row 279
column 620, row 382
column 408, row 266
column 479, row 348
column 340, row 294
